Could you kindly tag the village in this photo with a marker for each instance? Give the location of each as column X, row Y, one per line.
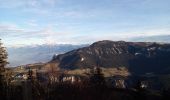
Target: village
column 50, row 74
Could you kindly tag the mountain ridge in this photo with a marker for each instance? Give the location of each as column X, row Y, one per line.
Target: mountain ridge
column 138, row 57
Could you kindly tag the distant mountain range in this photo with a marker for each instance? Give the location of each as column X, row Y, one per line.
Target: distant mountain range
column 158, row 38
column 44, row 53
column 138, row 57
column 39, row 53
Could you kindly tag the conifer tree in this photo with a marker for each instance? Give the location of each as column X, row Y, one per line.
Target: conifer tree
column 97, row 77
column 3, row 57
column 3, row 62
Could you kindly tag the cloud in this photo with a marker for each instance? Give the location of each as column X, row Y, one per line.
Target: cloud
column 9, row 29
column 27, row 3
column 32, row 28
column 32, row 23
column 14, row 35
column 47, row 8
column 81, row 21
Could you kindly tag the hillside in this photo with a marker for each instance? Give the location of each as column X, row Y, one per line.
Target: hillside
column 138, row 57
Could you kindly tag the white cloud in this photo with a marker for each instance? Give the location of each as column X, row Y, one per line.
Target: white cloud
column 9, row 29
column 27, row 3
column 14, row 35
column 32, row 23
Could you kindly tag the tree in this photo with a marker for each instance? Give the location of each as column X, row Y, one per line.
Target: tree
column 3, row 57
column 3, row 62
column 97, row 77
column 30, row 74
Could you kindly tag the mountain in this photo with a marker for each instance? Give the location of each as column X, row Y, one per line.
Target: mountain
column 137, row 57
column 38, row 53
column 158, row 38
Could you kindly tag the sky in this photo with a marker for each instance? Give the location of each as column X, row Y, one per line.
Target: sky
column 36, row 22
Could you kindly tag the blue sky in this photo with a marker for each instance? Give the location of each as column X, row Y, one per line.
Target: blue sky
column 30, row 22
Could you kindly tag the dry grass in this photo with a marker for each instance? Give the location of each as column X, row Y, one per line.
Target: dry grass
column 106, row 71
